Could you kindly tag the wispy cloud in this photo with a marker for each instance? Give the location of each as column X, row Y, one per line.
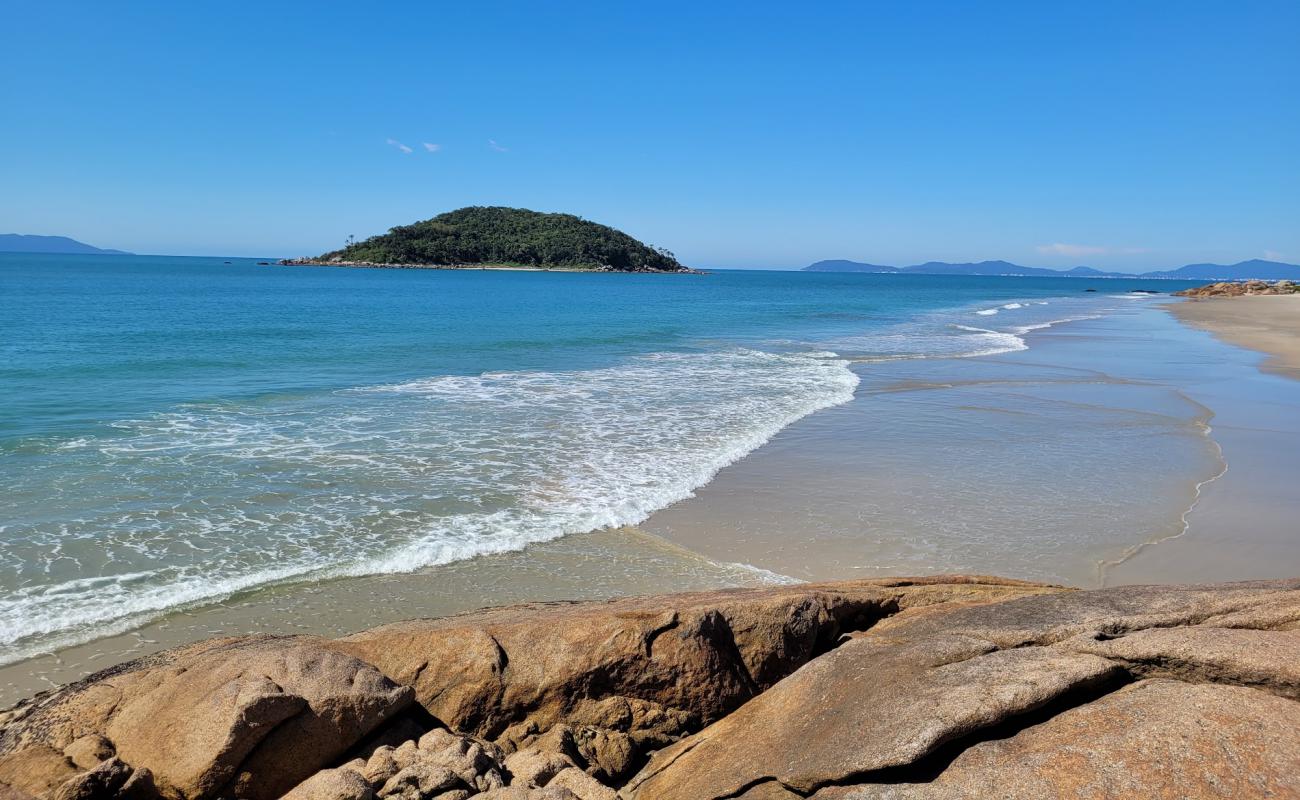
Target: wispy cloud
column 492, row 143
column 1273, row 255
column 1077, row 250
column 431, row 147
column 400, row 146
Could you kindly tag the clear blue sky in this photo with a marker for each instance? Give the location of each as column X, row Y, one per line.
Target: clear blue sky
column 1125, row 135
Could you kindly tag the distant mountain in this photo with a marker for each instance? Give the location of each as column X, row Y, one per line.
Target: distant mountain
column 1245, row 270
column 840, row 265
column 980, row 268
column 24, row 243
column 1255, row 268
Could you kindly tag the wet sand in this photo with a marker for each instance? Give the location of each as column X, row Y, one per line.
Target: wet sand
column 1269, row 324
column 1127, row 449
column 596, row 565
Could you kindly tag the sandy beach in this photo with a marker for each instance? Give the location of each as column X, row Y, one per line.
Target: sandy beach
column 1269, row 324
column 1207, row 441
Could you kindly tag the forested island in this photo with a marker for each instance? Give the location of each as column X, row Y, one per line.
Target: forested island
column 500, row 237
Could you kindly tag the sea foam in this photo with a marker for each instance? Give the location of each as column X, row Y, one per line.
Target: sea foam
column 210, row 500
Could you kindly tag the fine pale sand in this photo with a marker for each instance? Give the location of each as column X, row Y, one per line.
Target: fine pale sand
column 1267, row 323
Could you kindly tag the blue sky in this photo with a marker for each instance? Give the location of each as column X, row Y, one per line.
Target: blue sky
column 1126, row 135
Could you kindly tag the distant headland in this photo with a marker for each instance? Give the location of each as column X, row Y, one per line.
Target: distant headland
column 1245, row 270
column 25, row 243
column 496, row 237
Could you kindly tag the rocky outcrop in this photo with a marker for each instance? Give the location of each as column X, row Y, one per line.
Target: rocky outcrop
column 652, row 667
column 1240, row 288
column 1154, row 738
column 940, row 687
column 893, row 706
column 244, row 717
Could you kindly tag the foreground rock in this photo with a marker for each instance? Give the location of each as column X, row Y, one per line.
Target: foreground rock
column 244, row 717
column 1154, row 738
column 942, row 687
column 1240, row 288
column 895, row 705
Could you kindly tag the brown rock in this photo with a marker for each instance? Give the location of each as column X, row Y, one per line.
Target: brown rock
column 1055, row 617
column 1154, row 739
column 261, row 720
column 917, row 685
column 332, row 784
column 381, row 766
column 475, row 763
column 1240, row 288
column 248, row 717
column 1268, row 659
column 35, row 769
column 769, row 790
column 582, row 785
column 523, row 793
column 610, row 754
column 420, row 780
column 535, row 768
column 869, row 705
column 253, row 717
column 891, row 697
column 651, row 668
column 88, row 751
column 108, row 779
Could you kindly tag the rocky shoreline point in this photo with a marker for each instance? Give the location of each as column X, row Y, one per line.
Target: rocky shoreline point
column 942, row 687
column 338, row 262
column 1240, row 289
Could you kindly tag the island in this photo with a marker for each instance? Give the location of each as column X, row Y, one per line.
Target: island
column 496, row 237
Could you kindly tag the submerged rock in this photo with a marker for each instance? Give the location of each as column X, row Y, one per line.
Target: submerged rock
column 930, row 688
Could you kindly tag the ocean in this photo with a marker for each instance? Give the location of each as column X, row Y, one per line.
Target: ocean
column 177, row 431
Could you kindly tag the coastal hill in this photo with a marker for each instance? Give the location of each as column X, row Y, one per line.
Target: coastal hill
column 26, row 243
column 480, row 236
column 924, row 688
column 1245, row 270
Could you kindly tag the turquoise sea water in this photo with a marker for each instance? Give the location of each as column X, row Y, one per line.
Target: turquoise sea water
column 174, row 430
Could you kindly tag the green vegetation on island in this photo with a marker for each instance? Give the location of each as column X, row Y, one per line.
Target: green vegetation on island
column 483, row 236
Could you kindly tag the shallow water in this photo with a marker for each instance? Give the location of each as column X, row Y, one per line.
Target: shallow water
column 175, row 432
column 1057, row 463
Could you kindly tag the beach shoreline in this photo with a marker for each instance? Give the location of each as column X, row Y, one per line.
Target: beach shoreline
column 315, row 262
column 813, row 503
column 709, row 540
column 1269, row 324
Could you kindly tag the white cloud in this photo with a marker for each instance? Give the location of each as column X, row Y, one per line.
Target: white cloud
column 431, row 147
column 1273, row 255
column 492, row 143
column 400, row 146
column 1076, row 250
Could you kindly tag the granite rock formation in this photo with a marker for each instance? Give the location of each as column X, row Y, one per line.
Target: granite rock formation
column 929, row 688
column 1240, row 289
